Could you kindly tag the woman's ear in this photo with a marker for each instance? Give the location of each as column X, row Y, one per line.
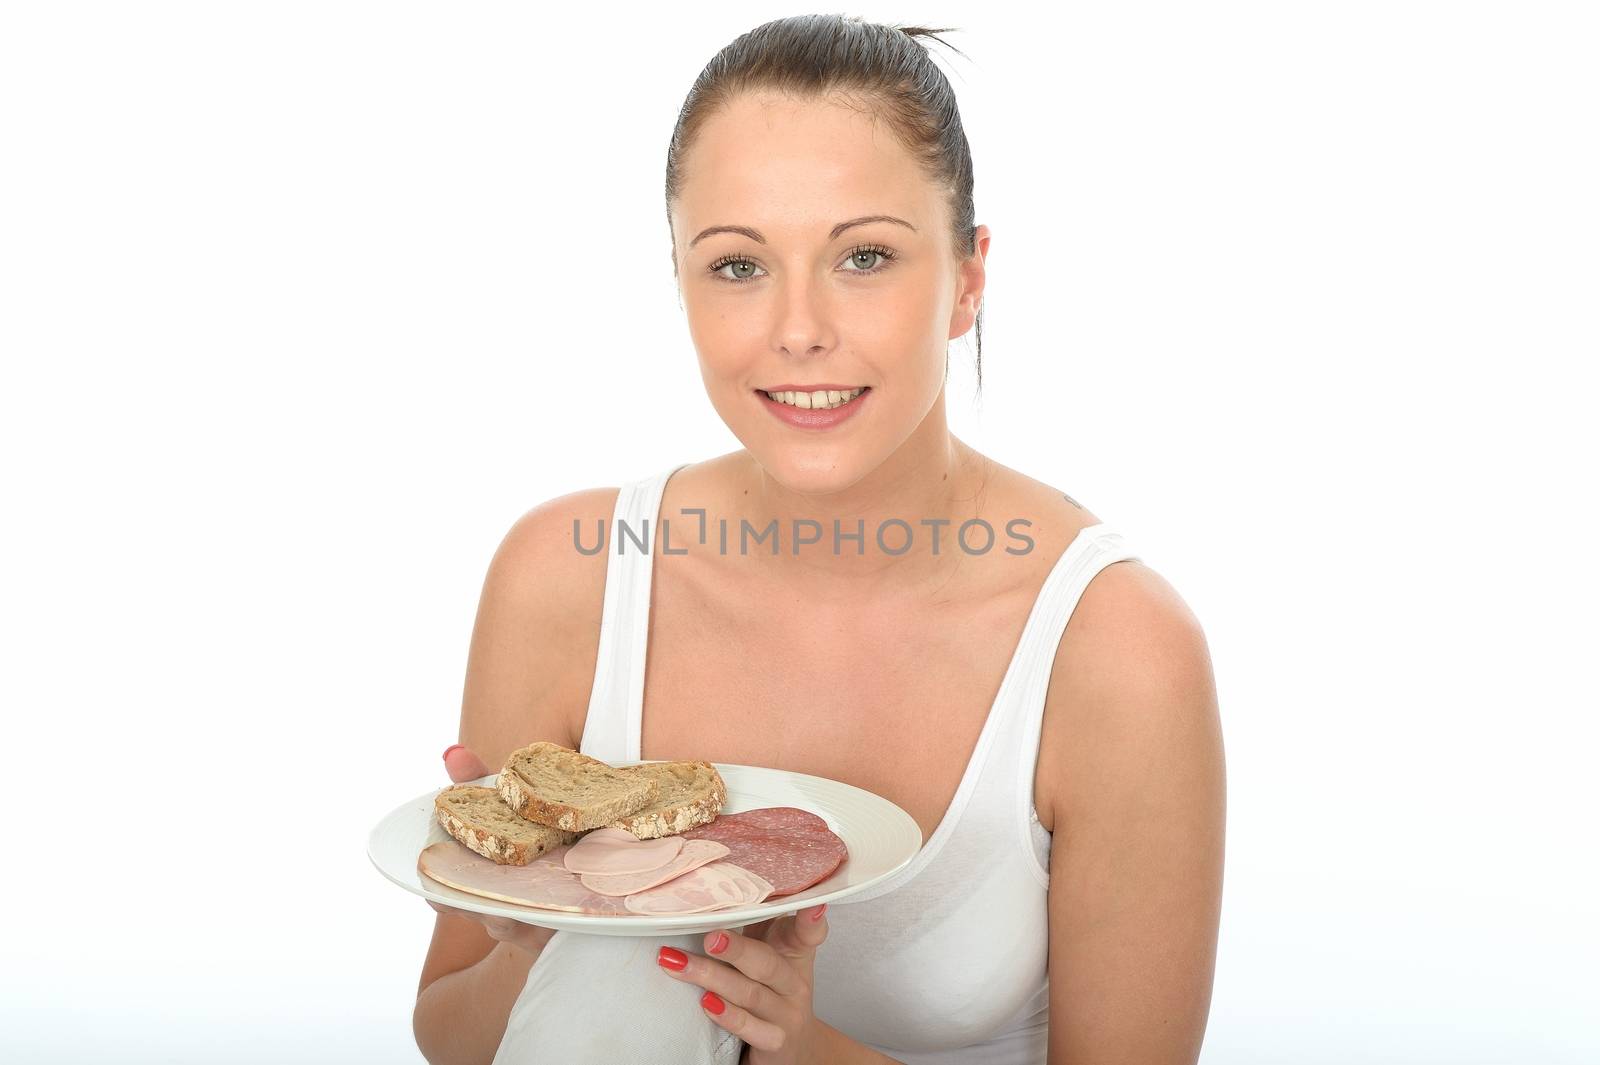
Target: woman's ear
column 969, row 298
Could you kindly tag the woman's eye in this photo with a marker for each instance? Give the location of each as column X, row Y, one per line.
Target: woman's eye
column 859, row 261
column 741, row 269
column 867, row 253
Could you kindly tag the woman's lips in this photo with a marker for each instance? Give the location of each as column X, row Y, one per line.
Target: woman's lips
column 801, row 418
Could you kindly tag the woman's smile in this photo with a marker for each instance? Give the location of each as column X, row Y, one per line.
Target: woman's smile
column 818, row 409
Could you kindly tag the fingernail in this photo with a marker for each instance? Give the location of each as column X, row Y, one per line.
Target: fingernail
column 719, row 944
column 673, row 958
column 711, row 1002
column 817, row 916
column 452, row 747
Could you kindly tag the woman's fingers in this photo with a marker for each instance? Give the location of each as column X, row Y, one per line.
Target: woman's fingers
column 802, row 933
column 463, row 765
column 756, row 1031
column 529, row 937
column 757, row 959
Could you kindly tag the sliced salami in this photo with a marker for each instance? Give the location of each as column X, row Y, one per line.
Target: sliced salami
column 790, row 848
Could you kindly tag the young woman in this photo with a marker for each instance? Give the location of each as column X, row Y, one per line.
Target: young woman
column 1043, row 706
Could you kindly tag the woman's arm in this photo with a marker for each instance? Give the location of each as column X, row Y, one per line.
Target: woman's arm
column 529, row 664
column 461, row 1017
column 1138, row 810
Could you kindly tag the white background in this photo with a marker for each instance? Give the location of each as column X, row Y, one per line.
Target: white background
column 305, row 303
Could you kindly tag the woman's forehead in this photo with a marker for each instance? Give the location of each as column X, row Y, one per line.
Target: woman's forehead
column 750, row 123
column 820, row 164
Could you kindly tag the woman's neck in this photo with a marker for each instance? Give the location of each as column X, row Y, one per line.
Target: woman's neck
column 897, row 525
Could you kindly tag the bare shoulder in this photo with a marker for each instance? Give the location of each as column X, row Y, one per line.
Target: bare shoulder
column 536, row 637
column 1132, row 671
column 1137, row 793
column 554, row 544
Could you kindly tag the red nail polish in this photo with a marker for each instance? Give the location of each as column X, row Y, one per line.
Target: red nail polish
column 820, row 911
column 711, row 1002
column 672, row 958
column 452, row 747
column 719, row 943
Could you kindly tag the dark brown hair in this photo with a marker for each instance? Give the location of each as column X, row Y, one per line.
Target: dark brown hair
column 884, row 65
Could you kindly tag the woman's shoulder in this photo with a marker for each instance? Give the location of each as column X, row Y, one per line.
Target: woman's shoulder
column 558, row 549
column 1129, row 615
column 1133, row 592
column 1131, row 652
column 548, row 576
column 552, row 544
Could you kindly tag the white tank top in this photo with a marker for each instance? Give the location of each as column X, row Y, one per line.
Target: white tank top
column 936, row 965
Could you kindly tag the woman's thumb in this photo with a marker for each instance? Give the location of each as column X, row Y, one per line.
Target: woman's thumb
column 463, row 765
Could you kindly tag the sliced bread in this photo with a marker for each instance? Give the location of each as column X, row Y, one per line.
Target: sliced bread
column 689, row 794
column 481, row 820
column 565, row 789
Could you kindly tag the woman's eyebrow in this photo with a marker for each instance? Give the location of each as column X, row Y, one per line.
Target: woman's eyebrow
column 756, row 236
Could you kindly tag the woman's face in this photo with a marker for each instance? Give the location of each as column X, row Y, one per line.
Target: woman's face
column 797, row 300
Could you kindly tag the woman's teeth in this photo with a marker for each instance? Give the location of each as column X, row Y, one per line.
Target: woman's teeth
column 815, row 400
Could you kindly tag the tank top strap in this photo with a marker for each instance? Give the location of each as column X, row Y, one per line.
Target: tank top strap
column 1008, row 787
column 616, row 699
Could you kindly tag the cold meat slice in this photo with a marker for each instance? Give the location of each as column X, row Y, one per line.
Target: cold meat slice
column 546, row 884
column 781, row 819
column 710, row 887
column 694, row 854
column 616, row 851
column 543, row 882
column 790, row 848
column 759, row 888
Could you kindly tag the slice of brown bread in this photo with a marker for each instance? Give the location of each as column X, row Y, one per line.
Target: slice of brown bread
column 690, row 794
column 481, row 820
column 566, row 789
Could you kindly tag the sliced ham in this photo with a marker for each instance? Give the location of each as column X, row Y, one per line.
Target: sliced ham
column 759, row 888
column 543, row 882
column 616, row 852
column 694, row 854
column 710, row 887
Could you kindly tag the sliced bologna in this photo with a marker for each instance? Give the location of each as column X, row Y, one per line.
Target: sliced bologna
column 789, row 848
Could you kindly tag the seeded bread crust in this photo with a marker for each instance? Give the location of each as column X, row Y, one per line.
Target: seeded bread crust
column 480, row 819
column 690, row 794
column 567, row 790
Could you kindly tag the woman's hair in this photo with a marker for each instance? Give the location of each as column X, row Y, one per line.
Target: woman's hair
column 886, row 66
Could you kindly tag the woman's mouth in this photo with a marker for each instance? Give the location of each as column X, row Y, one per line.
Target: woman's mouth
column 822, row 399
column 821, row 408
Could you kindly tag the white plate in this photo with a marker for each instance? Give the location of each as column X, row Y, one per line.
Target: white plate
column 881, row 838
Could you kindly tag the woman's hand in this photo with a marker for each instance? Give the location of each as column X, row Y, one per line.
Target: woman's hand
column 760, row 989
column 463, row 765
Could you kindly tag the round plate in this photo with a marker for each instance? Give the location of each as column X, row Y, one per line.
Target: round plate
column 880, row 836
